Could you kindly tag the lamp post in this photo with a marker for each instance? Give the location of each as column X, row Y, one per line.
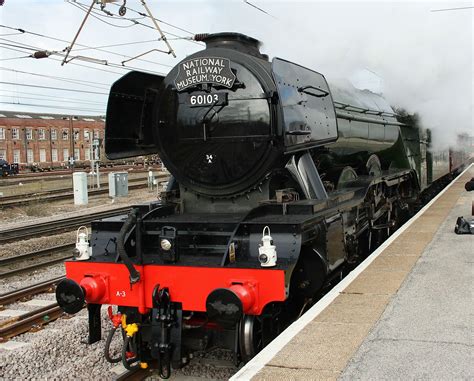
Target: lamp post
column 50, row 144
column 71, row 154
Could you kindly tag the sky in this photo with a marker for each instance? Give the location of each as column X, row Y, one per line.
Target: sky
column 418, row 58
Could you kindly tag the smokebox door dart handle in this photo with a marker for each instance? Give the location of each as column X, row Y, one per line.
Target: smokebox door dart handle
column 304, row 89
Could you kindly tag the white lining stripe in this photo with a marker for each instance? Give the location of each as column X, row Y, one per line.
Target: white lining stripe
column 267, row 353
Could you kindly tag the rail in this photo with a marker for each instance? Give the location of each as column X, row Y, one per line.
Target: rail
column 18, row 261
column 32, row 319
column 60, row 194
column 37, row 288
column 54, row 226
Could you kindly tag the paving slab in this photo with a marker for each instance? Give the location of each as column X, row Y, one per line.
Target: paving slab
column 374, row 281
column 403, row 248
column 426, row 330
column 415, row 237
column 411, row 360
column 328, row 346
column 354, row 308
column 432, row 304
column 394, row 263
column 273, row 373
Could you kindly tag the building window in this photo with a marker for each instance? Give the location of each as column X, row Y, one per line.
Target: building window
column 87, row 153
column 65, row 134
column 77, row 154
column 96, row 134
column 65, row 154
column 15, row 133
column 54, row 135
column 16, row 155
column 29, row 156
column 86, row 135
column 54, row 154
column 76, row 135
column 3, row 154
column 41, row 134
column 42, row 155
column 29, row 134
column 2, row 133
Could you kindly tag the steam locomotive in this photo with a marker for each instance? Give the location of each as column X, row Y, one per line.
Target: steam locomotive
column 7, row 169
column 279, row 184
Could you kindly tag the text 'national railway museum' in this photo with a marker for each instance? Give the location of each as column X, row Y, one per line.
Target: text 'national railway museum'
column 48, row 140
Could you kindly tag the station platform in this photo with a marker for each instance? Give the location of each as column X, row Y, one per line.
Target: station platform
column 404, row 313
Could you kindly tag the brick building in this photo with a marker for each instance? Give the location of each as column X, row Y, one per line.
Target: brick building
column 48, row 140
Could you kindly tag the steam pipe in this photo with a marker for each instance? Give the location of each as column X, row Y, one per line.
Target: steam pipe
column 345, row 115
column 129, row 223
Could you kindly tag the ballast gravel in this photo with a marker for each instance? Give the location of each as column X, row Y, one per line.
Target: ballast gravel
column 50, row 208
column 38, row 243
column 23, row 280
column 58, row 352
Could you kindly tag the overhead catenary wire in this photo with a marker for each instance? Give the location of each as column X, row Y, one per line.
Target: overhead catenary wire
column 15, row 50
column 10, row 34
column 176, row 36
column 53, row 107
column 86, row 59
column 19, row 99
column 258, row 8
column 72, row 63
column 159, row 20
column 117, row 45
column 51, row 88
column 451, row 9
column 89, row 12
column 45, row 99
column 21, row 93
column 14, row 58
column 81, row 82
column 69, row 47
column 94, row 15
column 81, row 45
column 89, row 62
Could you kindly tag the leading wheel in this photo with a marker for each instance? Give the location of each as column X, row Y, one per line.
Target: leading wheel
column 255, row 332
column 250, row 337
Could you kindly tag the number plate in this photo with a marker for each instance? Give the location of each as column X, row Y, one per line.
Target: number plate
column 206, row 99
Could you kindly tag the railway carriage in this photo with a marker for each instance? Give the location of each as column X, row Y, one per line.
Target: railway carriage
column 279, row 185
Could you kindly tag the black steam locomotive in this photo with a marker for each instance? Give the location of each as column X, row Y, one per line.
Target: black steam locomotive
column 279, row 184
column 7, row 169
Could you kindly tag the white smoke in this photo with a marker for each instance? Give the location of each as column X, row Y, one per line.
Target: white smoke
column 418, row 59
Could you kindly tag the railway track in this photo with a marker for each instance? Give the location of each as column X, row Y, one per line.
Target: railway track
column 34, row 319
column 59, row 194
column 22, row 263
column 134, row 375
column 57, row 174
column 54, row 226
column 25, row 292
column 200, row 363
column 28, row 321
